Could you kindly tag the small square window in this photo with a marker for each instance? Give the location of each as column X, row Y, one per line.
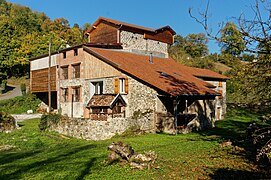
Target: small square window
column 220, row 84
column 64, row 55
column 75, row 52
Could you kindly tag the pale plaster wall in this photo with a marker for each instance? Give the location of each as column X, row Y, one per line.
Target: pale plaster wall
column 43, row 63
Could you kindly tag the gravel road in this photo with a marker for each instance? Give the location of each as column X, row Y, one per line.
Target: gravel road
column 16, row 91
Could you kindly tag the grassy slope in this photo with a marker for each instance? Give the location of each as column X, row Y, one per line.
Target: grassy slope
column 40, row 155
column 20, row 104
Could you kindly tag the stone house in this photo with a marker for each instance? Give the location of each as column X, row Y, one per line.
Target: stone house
column 123, row 77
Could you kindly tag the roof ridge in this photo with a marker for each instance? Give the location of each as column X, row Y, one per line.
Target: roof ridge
column 122, row 23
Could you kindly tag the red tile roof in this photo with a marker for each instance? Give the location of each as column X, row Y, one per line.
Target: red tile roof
column 123, row 24
column 164, row 74
column 101, row 100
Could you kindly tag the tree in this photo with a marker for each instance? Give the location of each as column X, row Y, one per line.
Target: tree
column 231, row 34
column 25, row 34
column 193, row 44
column 196, row 45
column 256, row 34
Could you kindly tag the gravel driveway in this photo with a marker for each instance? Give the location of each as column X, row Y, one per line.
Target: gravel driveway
column 16, row 91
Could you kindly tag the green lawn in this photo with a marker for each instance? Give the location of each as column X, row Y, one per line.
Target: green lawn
column 44, row 155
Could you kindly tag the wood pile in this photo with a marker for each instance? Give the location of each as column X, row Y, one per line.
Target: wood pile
column 120, row 151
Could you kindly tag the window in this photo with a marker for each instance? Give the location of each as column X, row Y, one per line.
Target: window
column 220, row 84
column 76, row 94
column 121, row 85
column 76, row 71
column 75, row 52
column 65, row 94
column 64, row 72
column 64, row 55
column 98, row 87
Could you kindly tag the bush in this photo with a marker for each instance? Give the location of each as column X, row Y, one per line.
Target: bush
column 7, row 122
column 47, row 120
column 23, row 89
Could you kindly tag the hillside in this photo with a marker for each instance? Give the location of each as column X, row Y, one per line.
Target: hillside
column 26, row 34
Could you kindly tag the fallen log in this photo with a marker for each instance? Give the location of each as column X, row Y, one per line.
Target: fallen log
column 121, row 151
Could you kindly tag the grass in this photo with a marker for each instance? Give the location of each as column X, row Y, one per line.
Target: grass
column 20, row 104
column 42, row 155
column 19, row 81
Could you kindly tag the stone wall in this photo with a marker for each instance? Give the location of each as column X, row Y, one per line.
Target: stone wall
column 140, row 98
column 99, row 130
column 134, row 42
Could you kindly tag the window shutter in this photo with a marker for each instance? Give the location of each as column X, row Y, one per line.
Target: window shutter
column 221, row 92
column 126, row 85
column 116, row 85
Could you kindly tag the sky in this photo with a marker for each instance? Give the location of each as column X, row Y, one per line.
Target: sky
column 148, row 13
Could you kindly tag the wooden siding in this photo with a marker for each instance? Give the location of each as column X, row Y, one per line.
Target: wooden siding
column 164, row 36
column 39, row 80
column 104, row 33
column 95, row 68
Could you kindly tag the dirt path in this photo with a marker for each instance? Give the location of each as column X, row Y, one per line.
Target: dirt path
column 13, row 91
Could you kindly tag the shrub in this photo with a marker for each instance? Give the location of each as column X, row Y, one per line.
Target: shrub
column 20, row 104
column 261, row 138
column 7, row 122
column 23, row 89
column 47, row 120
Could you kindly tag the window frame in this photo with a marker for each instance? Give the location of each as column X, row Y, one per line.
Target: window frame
column 64, row 55
column 65, row 75
column 65, row 94
column 76, row 71
column 98, row 87
column 122, row 85
column 76, row 94
column 75, row 52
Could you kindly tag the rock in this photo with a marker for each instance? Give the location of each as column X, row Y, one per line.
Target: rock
column 30, row 111
column 226, row 143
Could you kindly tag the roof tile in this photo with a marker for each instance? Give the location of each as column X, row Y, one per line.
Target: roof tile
column 164, row 73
